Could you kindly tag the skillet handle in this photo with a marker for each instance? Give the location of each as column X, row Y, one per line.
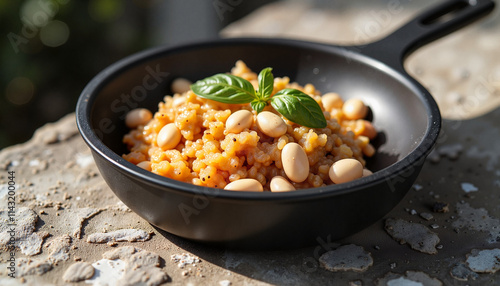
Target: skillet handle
column 435, row 23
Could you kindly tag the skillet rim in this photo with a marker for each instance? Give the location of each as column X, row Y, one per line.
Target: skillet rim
column 89, row 94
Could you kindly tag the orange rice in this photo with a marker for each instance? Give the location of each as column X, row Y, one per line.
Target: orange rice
column 208, row 155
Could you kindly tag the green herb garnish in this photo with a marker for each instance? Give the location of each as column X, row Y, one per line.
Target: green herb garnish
column 293, row 104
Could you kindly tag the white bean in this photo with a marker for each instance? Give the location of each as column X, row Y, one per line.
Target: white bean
column 168, row 137
column 368, row 150
column 368, row 129
column 331, row 100
column 250, row 185
column 138, row 116
column 179, row 100
column 280, row 184
column 180, row 85
column 146, row 165
column 239, row 121
column 367, row 172
column 271, row 124
column 354, row 109
column 295, row 162
column 345, row 170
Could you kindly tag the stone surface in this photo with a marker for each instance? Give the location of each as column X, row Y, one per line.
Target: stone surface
column 67, row 199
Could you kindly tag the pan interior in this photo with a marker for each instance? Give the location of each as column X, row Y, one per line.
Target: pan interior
column 397, row 109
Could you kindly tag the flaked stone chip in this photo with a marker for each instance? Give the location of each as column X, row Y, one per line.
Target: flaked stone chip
column 225, row 283
column 151, row 276
column 78, row 272
column 426, row 216
column 418, row 236
column 346, row 258
column 59, row 248
column 28, row 266
column 184, row 259
column 143, row 259
column 440, row 207
column 130, row 235
column 128, row 265
column 32, row 244
column 484, row 261
column 107, row 271
column 478, row 220
column 21, row 231
column 462, row 273
column 122, row 253
column 410, row 278
column 78, row 217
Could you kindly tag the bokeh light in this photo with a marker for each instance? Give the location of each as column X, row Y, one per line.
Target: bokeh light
column 34, row 14
column 20, row 91
column 54, row 34
column 105, row 11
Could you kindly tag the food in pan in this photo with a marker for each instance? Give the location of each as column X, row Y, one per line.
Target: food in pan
column 252, row 132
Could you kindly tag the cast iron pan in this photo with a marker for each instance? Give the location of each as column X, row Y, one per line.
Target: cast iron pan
column 405, row 114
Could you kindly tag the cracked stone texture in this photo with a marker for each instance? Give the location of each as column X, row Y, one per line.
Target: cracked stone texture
column 57, row 179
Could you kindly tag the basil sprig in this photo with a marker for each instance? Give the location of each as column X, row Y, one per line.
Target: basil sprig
column 293, row 104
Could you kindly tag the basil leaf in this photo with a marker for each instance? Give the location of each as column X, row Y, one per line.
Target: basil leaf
column 258, row 105
column 266, row 83
column 225, row 88
column 299, row 107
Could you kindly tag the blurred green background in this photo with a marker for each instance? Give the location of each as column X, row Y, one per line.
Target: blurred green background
column 50, row 49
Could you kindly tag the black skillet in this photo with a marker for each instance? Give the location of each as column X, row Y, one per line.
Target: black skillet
column 405, row 114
